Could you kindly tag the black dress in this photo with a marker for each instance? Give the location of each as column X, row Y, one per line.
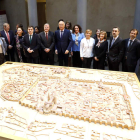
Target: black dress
column 100, row 53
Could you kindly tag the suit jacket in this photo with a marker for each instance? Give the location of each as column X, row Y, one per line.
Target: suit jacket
column 64, row 43
column 132, row 53
column 47, row 43
column 116, row 52
column 34, row 45
column 11, row 34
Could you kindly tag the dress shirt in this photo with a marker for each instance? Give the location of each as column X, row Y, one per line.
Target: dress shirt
column 31, row 36
column 115, row 38
column 86, row 47
column 6, row 33
column 129, row 42
column 60, row 33
column 74, row 46
column 46, row 33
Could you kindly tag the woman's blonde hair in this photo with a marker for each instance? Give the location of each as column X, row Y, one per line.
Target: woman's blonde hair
column 105, row 34
column 89, row 31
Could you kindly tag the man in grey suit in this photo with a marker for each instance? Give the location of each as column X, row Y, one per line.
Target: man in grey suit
column 47, row 45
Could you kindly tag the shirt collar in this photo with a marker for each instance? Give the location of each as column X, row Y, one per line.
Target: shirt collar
column 46, row 33
column 132, row 40
column 116, row 37
column 62, row 30
column 31, row 34
column 6, row 31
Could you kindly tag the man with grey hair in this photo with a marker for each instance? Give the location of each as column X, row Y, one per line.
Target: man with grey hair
column 9, row 38
column 47, row 45
column 63, row 43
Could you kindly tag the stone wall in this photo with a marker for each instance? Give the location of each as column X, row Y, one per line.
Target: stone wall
column 104, row 14
column 16, row 12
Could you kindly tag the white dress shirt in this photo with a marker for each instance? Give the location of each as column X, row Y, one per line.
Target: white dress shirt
column 6, row 34
column 86, row 47
column 31, row 36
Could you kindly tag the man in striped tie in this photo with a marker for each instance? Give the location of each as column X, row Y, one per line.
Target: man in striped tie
column 47, row 45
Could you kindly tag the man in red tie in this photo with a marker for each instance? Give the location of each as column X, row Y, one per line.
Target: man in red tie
column 47, row 45
column 9, row 38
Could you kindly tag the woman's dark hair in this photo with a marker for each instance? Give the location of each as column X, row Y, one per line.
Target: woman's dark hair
column 60, row 20
column 20, row 25
column 80, row 29
column 69, row 24
column 22, row 30
column 38, row 28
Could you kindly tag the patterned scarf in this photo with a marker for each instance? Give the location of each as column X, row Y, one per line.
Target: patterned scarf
column 99, row 42
column 18, row 48
column 76, row 39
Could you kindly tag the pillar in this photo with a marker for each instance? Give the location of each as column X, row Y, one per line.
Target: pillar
column 32, row 12
column 82, row 14
column 137, row 17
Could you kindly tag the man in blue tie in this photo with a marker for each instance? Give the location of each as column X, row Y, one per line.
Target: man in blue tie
column 116, row 50
column 63, row 44
column 132, row 52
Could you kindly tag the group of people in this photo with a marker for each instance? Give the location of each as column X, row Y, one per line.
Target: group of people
column 39, row 47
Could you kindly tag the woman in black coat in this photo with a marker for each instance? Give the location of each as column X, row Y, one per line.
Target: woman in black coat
column 99, row 51
column 18, row 45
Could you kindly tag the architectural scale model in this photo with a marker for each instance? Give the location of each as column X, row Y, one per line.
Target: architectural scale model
column 131, row 79
column 57, row 90
column 17, row 125
column 8, row 115
column 102, row 136
column 98, row 102
column 72, row 131
column 113, row 137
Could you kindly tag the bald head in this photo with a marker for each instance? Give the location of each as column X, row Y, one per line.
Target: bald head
column 61, row 25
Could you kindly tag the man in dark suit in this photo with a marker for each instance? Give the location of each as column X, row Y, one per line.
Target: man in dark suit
column 31, row 44
column 9, row 38
column 132, row 52
column 63, row 44
column 47, row 45
column 116, row 50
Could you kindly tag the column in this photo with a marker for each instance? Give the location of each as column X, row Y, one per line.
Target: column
column 32, row 12
column 137, row 17
column 82, row 14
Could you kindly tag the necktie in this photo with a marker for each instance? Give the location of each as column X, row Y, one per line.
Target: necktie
column 30, row 39
column 112, row 42
column 47, row 36
column 8, row 37
column 130, row 43
column 61, row 34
